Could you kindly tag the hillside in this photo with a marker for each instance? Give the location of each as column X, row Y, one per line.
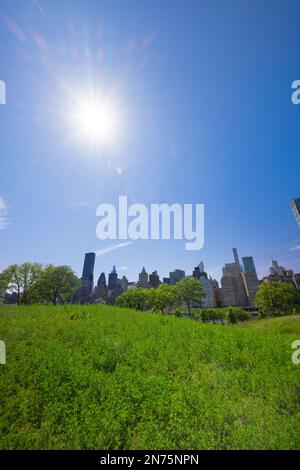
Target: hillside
column 83, row 377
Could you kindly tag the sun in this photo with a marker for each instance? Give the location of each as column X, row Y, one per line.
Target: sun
column 97, row 120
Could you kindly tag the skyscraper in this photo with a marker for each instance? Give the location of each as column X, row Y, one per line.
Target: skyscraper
column 154, row 279
column 101, row 289
column 143, row 279
column 236, row 258
column 295, row 205
column 251, row 286
column 87, row 280
column 124, row 284
column 176, row 276
column 88, row 266
column 233, row 290
column 113, row 279
column 249, row 266
column 201, row 267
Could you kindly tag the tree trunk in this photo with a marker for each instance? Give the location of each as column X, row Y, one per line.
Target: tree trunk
column 189, row 309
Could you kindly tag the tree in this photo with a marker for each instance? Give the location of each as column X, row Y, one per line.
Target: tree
column 162, row 297
column 56, row 283
column 20, row 279
column 189, row 291
column 134, row 298
column 276, row 298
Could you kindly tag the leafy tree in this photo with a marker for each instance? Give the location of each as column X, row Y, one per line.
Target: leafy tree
column 162, row 297
column 189, row 291
column 212, row 316
column 20, row 279
column 276, row 298
column 56, row 283
column 137, row 298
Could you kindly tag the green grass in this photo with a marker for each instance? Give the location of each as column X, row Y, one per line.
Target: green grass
column 84, row 377
column 289, row 325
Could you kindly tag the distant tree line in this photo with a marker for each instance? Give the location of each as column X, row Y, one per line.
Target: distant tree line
column 274, row 298
column 33, row 283
column 188, row 292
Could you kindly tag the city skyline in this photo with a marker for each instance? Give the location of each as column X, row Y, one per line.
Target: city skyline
column 176, row 136
column 238, row 285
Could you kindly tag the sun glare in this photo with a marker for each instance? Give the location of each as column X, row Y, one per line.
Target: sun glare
column 97, row 121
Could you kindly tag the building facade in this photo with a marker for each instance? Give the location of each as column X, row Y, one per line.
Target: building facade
column 251, row 286
column 233, row 289
column 154, row 280
column 113, row 279
column 248, row 264
column 295, row 205
column 143, row 279
column 176, row 276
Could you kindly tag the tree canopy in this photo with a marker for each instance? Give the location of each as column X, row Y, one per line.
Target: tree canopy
column 276, row 298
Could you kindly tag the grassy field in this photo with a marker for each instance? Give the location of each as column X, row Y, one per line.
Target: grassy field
column 83, row 377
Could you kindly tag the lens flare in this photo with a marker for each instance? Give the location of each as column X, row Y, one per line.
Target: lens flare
column 97, row 121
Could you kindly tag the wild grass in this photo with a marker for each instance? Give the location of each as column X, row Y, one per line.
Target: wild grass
column 98, row 377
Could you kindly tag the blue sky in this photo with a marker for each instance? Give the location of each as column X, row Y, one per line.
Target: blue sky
column 204, row 89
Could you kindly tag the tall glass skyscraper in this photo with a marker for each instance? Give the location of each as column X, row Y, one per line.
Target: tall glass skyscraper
column 88, row 266
column 295, row 205
column 249, row 266
column 113, row 279
column 87, row 279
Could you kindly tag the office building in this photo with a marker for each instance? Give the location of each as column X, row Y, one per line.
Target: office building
column 209, row 299
column 231, row 269
column 88, row 266
column 101, row 288
column 251, row 286
column 248, row 264
column 233, row 289
column 218, row 293
column 143, row 279
column 280, row 273
column 85, row 292
column 236, row 258
column 154, row 280
column 176, row 276
column 113, row 279
column 124, row 284
column 201, row 267
column 295, row 205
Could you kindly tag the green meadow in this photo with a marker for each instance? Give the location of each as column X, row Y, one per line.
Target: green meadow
column 99, row 377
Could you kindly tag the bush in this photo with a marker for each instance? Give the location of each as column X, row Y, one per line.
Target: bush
column 237, row 315
column 276, row 298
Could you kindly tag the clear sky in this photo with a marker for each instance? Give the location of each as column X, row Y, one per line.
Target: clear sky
column 203, row 90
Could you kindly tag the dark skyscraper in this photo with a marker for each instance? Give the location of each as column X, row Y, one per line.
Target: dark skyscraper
column 101, row 289
column 154, row 279
column 249, row 266
column 113, row 279
column 87, row 275
column 88, row 266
